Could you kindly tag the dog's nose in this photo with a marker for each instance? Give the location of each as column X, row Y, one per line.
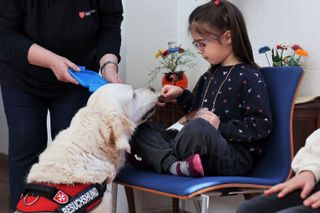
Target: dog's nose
column 152, row 89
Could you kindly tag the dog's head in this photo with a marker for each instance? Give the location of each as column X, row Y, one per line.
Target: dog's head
column 122, row 108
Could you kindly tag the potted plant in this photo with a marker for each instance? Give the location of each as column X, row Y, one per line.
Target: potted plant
column 174, row 61
column 280, row 56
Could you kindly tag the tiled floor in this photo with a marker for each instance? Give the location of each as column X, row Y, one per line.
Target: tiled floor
column 4, row 185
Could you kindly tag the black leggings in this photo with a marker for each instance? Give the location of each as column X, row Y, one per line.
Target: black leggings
column 219, row 157
column 291, row 203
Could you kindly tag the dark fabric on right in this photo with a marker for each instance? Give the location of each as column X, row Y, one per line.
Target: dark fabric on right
column 292, row 203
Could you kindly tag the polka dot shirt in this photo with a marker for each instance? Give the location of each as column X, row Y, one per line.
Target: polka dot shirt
column 238, row 96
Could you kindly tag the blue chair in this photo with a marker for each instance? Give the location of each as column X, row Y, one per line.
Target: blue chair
column 272, row 168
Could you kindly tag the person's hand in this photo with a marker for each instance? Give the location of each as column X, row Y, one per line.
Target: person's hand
column 169, row 92
column 313, row 200
column 110, row 73
column 209, row 116
column 59, row 66
column 304, row 181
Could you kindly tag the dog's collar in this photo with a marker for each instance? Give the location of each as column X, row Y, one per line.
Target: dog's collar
column 61, row 198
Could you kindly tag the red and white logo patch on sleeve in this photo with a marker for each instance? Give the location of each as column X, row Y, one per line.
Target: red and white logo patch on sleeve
column 83, row 14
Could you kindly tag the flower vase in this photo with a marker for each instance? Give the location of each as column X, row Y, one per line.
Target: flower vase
column 175, row 78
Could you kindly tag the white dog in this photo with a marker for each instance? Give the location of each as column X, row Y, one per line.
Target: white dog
column 75, row 167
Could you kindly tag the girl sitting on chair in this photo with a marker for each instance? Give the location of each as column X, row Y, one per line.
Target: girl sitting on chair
column 228, row 133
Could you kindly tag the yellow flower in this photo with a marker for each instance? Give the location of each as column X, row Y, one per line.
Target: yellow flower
column 158, row 54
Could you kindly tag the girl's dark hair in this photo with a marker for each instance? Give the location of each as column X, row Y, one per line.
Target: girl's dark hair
column 211, row 19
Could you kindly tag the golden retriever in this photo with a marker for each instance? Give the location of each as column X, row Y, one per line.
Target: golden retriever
column 88, row 152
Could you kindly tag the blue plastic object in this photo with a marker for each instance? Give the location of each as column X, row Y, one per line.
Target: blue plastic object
column 88, row 78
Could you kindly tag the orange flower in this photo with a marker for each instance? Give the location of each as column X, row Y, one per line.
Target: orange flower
column 301, row 52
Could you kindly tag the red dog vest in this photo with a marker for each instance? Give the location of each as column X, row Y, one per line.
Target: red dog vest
column 60, row 198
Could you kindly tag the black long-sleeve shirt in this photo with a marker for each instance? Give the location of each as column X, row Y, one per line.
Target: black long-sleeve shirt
column 80, row 30
column 239, row 97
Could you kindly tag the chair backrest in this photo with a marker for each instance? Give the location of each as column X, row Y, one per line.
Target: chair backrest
column 282, row 83
column 272, row 168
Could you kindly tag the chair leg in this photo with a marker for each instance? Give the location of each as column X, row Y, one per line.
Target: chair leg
column 130, row 199
column 197, row 205
column 204, row 203
column 114, row 193
column 175, row 205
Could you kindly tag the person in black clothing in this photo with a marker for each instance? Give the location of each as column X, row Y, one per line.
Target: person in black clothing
column 39, row 41
column 229, row 131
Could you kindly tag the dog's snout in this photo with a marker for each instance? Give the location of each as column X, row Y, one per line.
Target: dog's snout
column 152, row 89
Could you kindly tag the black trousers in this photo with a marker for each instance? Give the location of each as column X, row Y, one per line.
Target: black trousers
column 27, row 123
column 219, row 157
column 292, row 203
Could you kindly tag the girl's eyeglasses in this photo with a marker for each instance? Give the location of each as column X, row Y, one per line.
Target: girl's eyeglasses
column 201, row 43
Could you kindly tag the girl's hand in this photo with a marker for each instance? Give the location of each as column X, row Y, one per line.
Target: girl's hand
column 59, row 66
column 170, row 92
column 209, row 116
column 304, row 180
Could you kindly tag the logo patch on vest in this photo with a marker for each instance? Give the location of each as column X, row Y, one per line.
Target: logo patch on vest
column 61, row 197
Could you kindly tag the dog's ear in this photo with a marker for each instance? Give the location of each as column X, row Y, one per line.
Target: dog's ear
column 117, row 129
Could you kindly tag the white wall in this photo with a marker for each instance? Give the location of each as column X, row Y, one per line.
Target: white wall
column 149, row 25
